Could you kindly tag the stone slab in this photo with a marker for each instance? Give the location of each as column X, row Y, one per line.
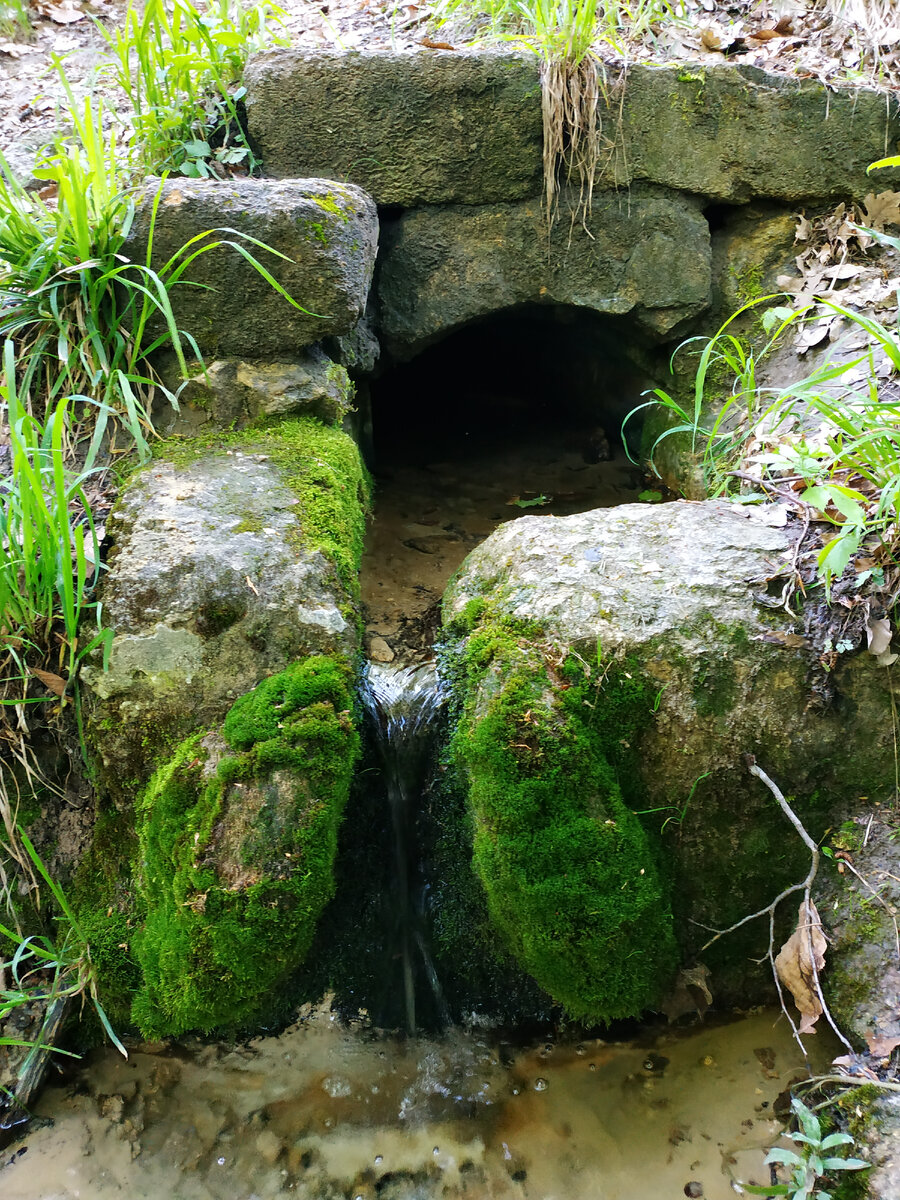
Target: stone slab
column 646, row 253
column 323, row 234
column 409, row 128
column 465, row 127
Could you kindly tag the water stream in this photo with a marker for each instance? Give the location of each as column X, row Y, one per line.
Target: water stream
column 403, row 702
column 330, row 1112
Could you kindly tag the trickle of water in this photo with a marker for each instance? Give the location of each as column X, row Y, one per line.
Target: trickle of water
column 403, row 703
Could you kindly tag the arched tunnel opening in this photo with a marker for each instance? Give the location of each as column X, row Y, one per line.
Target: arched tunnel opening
column 518, row 413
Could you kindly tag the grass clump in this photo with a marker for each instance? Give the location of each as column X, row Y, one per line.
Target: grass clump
column 832, row 436
column 180, row 68
column 237, row 846
column 569, row 875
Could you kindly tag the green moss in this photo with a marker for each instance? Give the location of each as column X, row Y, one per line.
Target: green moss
column 748, row 282
column 108, row 910
column 234, row 886
column 250, row 524
column 570, row 878
column 330, row 205
column 322, row 466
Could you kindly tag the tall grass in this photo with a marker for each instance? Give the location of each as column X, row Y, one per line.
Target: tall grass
column 49, row 549
column 45, row 970
column 567, row 35
column 180, row 69
column 76, row 309
column 15, row 21
column 832, row 436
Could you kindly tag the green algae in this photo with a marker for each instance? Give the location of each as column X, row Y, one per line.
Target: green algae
column 237, row 843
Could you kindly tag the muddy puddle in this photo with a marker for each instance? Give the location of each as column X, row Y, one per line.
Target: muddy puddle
column 325, row 1112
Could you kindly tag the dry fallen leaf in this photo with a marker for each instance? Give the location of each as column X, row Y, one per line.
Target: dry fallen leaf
column 710, row 40
column 430, row 45
column 792, row 641
column 883, row 209
column 878, row 635
column 881, row 1047
column 797, row 970
column 55, row 683
column 690, row 993
column 63, row 13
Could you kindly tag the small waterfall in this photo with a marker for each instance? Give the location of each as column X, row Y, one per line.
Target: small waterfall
column 403, row 702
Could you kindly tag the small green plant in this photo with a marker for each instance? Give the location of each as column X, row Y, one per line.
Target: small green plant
column 49, row 549
column 47, row 970
column 833, row 431
column 811, row 1162
column 14, row 19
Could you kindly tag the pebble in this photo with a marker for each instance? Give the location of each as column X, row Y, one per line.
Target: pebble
column 269, row 1147
column 380, row 651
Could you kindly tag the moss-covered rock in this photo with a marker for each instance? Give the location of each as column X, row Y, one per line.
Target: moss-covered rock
column 238, row 836
column 570, row 878
column 659, row 602
column 232, row 557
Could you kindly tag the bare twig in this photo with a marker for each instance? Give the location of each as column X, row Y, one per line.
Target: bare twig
column 806, row 911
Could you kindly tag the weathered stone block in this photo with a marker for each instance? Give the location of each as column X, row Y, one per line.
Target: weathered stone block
column 735, row 132
column 224, row 570
column 231, row 392
column 442, row 128
column 691, row 675
column 647, row 253
column 409, row 128
column 324, row 236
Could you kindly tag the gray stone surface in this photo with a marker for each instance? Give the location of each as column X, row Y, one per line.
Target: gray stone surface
column 234, row 391
column 667, row 591
column 736, row 132
column 647, row 253
column 326, row 232
column 465, row 127
column 208, row 592
column 409, row 128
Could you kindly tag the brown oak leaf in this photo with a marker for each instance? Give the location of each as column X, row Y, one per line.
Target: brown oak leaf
column 795, row 965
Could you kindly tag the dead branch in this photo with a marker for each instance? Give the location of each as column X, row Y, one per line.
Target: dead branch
column 806, row 888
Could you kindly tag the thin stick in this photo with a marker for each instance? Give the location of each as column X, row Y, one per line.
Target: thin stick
column 769, row 910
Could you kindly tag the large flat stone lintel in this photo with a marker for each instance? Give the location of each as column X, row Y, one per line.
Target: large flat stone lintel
column 409, row 128
column 465, row 128
column 645, row 253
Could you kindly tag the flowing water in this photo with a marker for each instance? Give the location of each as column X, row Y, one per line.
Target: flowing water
column 403, row 703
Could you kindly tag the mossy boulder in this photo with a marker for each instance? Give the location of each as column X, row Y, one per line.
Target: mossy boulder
column 232, row 393
column 232, row 558
column 858, row 909
column 661, row 598
column 237, row 840
column 570, row 878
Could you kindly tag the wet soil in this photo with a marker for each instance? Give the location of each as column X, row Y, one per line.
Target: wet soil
column 327, row 1113
column 430, row 514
